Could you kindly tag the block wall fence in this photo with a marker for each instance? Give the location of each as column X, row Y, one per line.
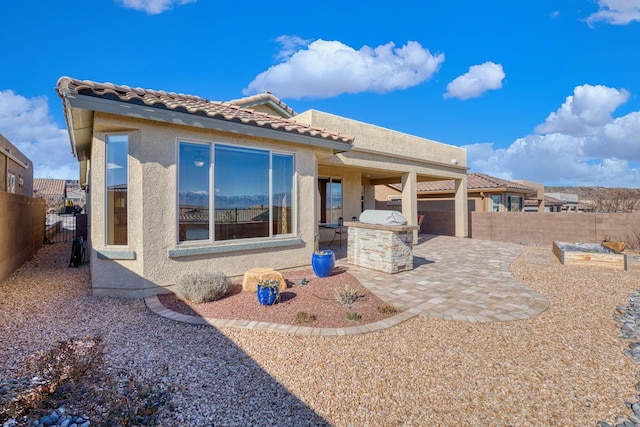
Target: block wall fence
column 544, row 228
column 538, row 228
column 22, row 223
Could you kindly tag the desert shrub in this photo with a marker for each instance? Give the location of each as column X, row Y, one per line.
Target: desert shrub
column 54, row 376
column 200, row 286
column 632, row 239
column 354, row 316
column 387, row 309
column 346, row 295
column 302, row 317
column 72, row 374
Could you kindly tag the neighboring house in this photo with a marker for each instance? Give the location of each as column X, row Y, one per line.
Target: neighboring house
column 550, row 205
column 486, row 194
column 76, row 197
column 570, row 202
column 16, row 170
column 177, row 183
column 54, row 191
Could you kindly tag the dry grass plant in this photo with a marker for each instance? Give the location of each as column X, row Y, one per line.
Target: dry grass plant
column 387, row 309
column 72, row 374
column 346, row 295
column 304, row 317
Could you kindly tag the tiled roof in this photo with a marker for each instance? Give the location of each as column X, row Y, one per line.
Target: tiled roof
column 49, row 187
column 262, row 98
column 547, row 201
column 475, row 181
column 195, row 105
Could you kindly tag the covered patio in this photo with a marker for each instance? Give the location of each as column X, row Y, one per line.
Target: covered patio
column 380, row 156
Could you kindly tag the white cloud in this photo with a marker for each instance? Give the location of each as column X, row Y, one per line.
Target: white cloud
column 330, row 68
column 580, row 144
column 475, row 82
column 586, row 111
column 616, row 12
column 153, row 7
column 26, row 123
column 111, row 166
column 290, row 44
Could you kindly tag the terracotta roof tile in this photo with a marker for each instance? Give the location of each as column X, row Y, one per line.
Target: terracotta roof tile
column 262, row 97
column 49, row 187
column 195, row 105
column 548, row 201
column 475, row 181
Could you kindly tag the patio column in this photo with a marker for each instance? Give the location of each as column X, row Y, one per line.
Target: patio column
column 410, row 201
column 462, row 213
column 369, row 195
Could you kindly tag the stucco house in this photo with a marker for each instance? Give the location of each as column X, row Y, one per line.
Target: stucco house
column 54, row 191
column 177, row 183
column 16, row 170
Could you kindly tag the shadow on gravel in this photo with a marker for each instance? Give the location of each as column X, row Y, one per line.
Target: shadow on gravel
column 209, row 379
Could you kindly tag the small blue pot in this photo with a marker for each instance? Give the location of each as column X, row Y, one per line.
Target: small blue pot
column 323, row 264
column 267, row 295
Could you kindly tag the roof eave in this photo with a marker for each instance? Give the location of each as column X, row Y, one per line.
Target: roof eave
column 110, row 106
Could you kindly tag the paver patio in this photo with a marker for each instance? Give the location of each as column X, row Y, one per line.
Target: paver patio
column 453, row 279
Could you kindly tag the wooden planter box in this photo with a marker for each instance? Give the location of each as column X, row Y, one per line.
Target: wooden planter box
column 589, row 255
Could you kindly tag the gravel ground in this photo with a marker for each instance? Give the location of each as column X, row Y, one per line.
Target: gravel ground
column 563, row 367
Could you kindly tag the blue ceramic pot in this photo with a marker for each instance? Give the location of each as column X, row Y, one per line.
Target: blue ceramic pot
column 267, row 295
column 323, row 263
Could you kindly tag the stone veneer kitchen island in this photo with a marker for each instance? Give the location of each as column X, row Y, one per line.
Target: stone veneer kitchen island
column 387, row 248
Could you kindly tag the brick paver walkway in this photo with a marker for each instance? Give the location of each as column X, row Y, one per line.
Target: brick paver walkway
column 453, row 279
column 457, row 279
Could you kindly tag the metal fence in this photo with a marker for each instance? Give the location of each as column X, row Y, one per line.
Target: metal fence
column 65, row 227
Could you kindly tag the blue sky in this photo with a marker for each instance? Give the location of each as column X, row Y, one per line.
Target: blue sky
column 541, row 90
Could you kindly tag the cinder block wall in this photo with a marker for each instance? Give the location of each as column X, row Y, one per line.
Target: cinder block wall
column 442, row 223
column 21, row 230
column 544, row 228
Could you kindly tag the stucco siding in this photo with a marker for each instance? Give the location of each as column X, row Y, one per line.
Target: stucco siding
column 152, row 208
column 382, row 140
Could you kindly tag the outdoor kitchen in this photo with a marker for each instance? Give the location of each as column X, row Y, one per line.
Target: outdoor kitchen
column 381, row 240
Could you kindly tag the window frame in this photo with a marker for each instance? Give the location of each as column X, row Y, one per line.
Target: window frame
column 330, row 179
column 211, row 241
column 106, row 190
column 520, row 203
column 494, row 198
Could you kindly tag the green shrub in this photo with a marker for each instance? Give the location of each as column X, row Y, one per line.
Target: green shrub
column 200, row 286
column 354, row 316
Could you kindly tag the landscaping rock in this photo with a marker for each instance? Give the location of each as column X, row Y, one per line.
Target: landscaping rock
column 255, row 275
column 616, row 246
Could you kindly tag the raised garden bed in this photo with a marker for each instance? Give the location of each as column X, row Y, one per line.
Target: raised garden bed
column 589, row 255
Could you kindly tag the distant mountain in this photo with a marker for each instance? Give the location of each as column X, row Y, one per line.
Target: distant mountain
column 229, row 202
column 591, row 193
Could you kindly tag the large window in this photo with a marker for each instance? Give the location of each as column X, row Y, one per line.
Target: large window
column 253, row 194
column 193, row 196
column 117, row 177
column 330, row 199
